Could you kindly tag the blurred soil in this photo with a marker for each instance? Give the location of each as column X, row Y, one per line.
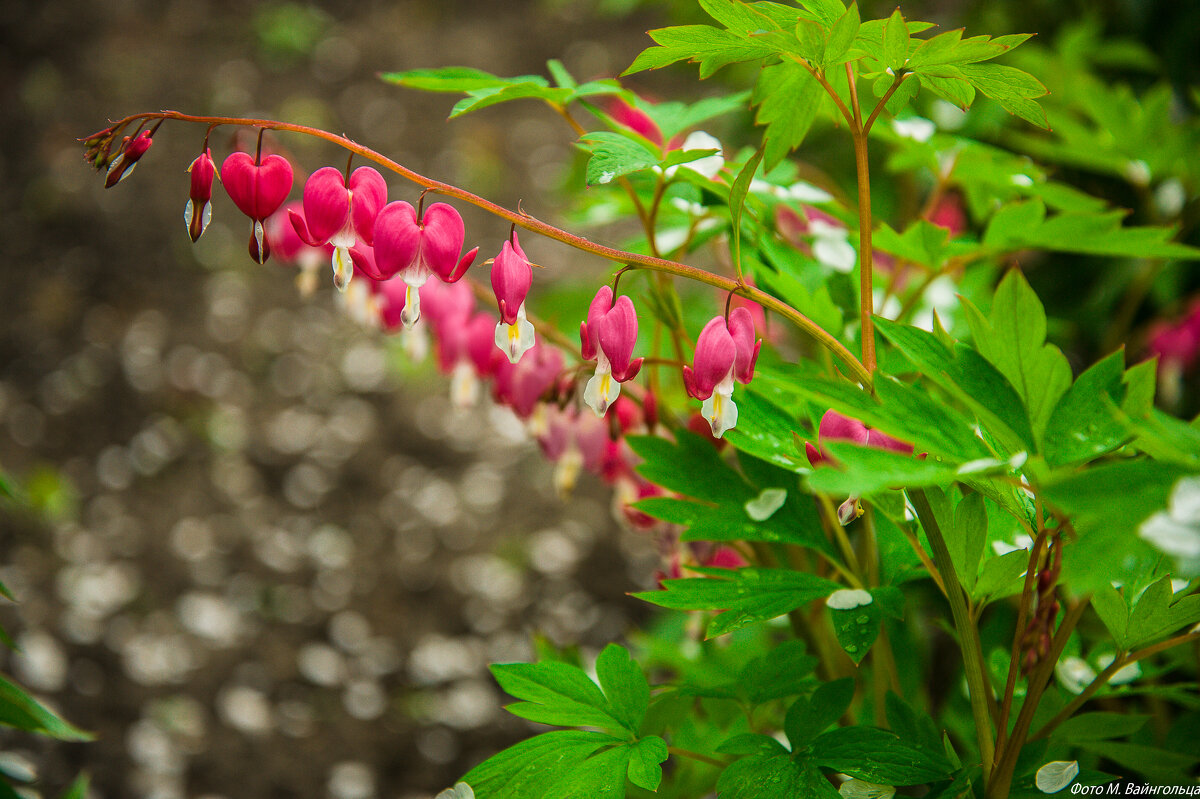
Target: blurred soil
column 269, row 562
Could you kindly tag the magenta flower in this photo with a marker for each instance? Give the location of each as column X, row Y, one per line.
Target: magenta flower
column 340, row 213
column 836, row 427
column 198, row 211
column 132, row 149
column 257, row 186
column 522, row 385
column 608, row 336
column 726, row 350
column 416, row 248
column 512, row 275
column 288, row 248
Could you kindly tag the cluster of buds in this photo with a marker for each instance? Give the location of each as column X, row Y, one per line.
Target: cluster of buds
column 1038, row 633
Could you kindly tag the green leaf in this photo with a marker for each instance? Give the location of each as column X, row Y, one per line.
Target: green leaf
column 448, row 79
column 1160, row 765
column 808, row 717
column 1099, row 726
column 78, row 789
column 737, row 200
column 878, row 756
column 739, row 17
column 675, row 117
column 528, row 90
column 784, row 671
column 966, row 539
column 950, row 48
column 1112, row 609
column 560, row 75
column 773, row 777
column 624, row 685
column 691, row 466
column 895, row 42
column 1158, row 613
column 922, row 241
column 645, row 759
column 751, row 743
column 862, row 471
column 745, row 596
column 1086, row 422
column 764, row 430
column 912, row 725
column 1013, row 339
column 857, row 628
column 1002, row 82
column 788, row 99
column 842, row 36
column 949, row 86
column 614, row 155
column 18, row 709
column 1001, row 575
column 533, row 766
column 556, row 693
column 711, row 47
column 827, row 12
column 970, row 379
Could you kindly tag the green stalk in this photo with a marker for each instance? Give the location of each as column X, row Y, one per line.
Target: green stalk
column 968, row 633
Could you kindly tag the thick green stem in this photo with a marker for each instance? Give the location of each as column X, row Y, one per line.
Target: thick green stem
column 528, row 222
column 866, row 299
column 968, row 633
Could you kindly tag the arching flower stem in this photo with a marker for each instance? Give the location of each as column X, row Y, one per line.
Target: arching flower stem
column 531, row 223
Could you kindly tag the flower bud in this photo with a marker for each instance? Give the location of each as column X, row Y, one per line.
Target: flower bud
column 132, row 149
column 198, row 211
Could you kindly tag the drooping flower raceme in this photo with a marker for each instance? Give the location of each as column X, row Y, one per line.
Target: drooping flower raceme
column 257, row 186
column 198, row 211
column 341, row 213
column 726, row 350
column 415, row 248
column 512, row 275
column 608, row 337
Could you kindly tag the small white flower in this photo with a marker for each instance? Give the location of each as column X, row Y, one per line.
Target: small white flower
column 708, row 166
column 1125, row 674
column 849, row 599
column 918, row 129
column 1075, row 674
column 1056, row 775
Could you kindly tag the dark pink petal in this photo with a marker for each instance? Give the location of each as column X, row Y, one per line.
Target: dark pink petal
column 368, row 195
column 446, row 306
column 481, row 344
column 618, row 335
column 836, row 427
column 397, row 238
column 884, row 441
column 442, row 239
column 512, row 276
column 257, row 189
column 715, row 355
column 815, row 458
column 365, row 263
column 202, row 170
column 589, row 331
column 636, row 120
column 741, row 329
column 326, row 204
column 391, row 302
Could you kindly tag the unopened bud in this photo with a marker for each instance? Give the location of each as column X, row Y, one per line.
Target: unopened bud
column 198, row 212
column 132, row 149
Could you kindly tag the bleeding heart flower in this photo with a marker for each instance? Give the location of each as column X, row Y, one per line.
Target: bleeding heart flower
column 512, row 275
column 726, row 350
column 132, row 149
column 608, row 336
column 257, row 186
column 341, row 213
column 198, row 211
column 288, row 248
column 522, row 385
column 416, row 248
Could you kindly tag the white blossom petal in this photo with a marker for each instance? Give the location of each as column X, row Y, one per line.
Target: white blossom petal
column 1056, row 775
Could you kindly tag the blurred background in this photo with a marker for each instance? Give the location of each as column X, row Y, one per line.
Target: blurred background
column 257, row 554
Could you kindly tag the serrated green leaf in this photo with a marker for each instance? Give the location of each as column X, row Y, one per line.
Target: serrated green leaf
column 1112, row 609
column 782, row 672
column 809, row 716
column 764, row 430
column 690, row 466
column 624, row 686
column 773, row 777
column 922, row 242
column 1086, row 422
column 827, row 12
column 842, row 36
column 555, row 693
column 745, row 596
column 1013, row 339
column 530, row 90
column 895, row 42
column 878, row 756
column 447, row 79
column 1001, row 575
column 751, row 743
column 645, row 759
column 675, row 117
column 912, row 725
column 560, row 75
column 20, row 710
column 788, row 99
column 1158, row 613
column 966, row 375
column 712, row 47
column 904, row 94
column 614, row 155
column 953, row 89
column 1002, row 82
column 857, row 628
column 739, row 17
column 531, row 767
column 966, row 539
column 810, row 39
